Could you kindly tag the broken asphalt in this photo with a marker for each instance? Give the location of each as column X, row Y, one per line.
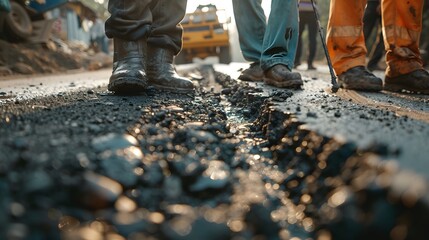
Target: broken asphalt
column 235, row 160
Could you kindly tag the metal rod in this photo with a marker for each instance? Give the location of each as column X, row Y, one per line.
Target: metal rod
column 335, row 86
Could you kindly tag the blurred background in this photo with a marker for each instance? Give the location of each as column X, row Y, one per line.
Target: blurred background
column 71, row 24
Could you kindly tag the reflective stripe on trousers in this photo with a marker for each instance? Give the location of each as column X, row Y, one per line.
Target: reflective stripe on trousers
column 402, row 23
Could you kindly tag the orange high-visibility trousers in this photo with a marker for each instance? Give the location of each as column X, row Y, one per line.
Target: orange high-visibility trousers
column 402, row 25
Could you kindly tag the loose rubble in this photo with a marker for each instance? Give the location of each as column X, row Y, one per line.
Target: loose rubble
column 57, row 57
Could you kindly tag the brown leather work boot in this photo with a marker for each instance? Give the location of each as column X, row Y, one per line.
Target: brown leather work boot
column 254, row 73
column 416, row 81
column 128, row 74
column 359, row 78
column 162, row 74
column 281, row 76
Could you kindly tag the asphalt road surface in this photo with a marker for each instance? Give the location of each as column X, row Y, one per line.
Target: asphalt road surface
column 235, row 160
column 399, row 121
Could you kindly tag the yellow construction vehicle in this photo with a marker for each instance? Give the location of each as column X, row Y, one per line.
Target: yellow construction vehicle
column 204, row 36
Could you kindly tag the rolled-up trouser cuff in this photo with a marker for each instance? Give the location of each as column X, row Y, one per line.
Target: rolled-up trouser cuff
column 345, row 64
column 401, row 67
column 267, row 64
column 130, row 35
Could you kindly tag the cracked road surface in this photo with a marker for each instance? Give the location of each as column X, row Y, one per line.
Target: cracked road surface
column 399, row 121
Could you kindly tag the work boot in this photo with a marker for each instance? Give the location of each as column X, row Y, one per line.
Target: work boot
column 281, row 76
column 254, row 73
column 416, row 81
column 162, row 74
column 359, row 78
column 128, row 74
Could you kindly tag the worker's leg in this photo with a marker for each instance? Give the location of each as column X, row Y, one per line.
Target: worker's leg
column 402, row 26
column 377, row 53
column 129, row 25
column 281, row 36
column 312, row 38
column 371, row 23
column 280, row 43
column 302, row 24
column 164, row 42
column 251, row 24
column 346, row 46
column 371, row 19
column 129, row 20
column 345, row 39
column 166, row 30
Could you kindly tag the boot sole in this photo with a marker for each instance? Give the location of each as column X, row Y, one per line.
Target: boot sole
column 173, row 90
column 399, row 88
column 251, row 79
column 294, row 83
column 127, row 85
column 369, row 88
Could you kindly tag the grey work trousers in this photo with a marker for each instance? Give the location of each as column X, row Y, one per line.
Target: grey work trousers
column 158, row 21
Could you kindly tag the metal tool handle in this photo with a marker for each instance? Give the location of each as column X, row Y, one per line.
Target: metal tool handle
column 335, row 86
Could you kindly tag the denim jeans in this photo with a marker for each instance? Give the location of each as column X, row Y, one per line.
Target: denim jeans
column 154, row 20
column 269, row 43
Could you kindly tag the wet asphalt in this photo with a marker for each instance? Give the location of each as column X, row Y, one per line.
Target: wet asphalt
column 236, row 160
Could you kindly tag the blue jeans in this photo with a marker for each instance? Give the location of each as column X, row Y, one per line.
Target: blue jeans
column 269, row 43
